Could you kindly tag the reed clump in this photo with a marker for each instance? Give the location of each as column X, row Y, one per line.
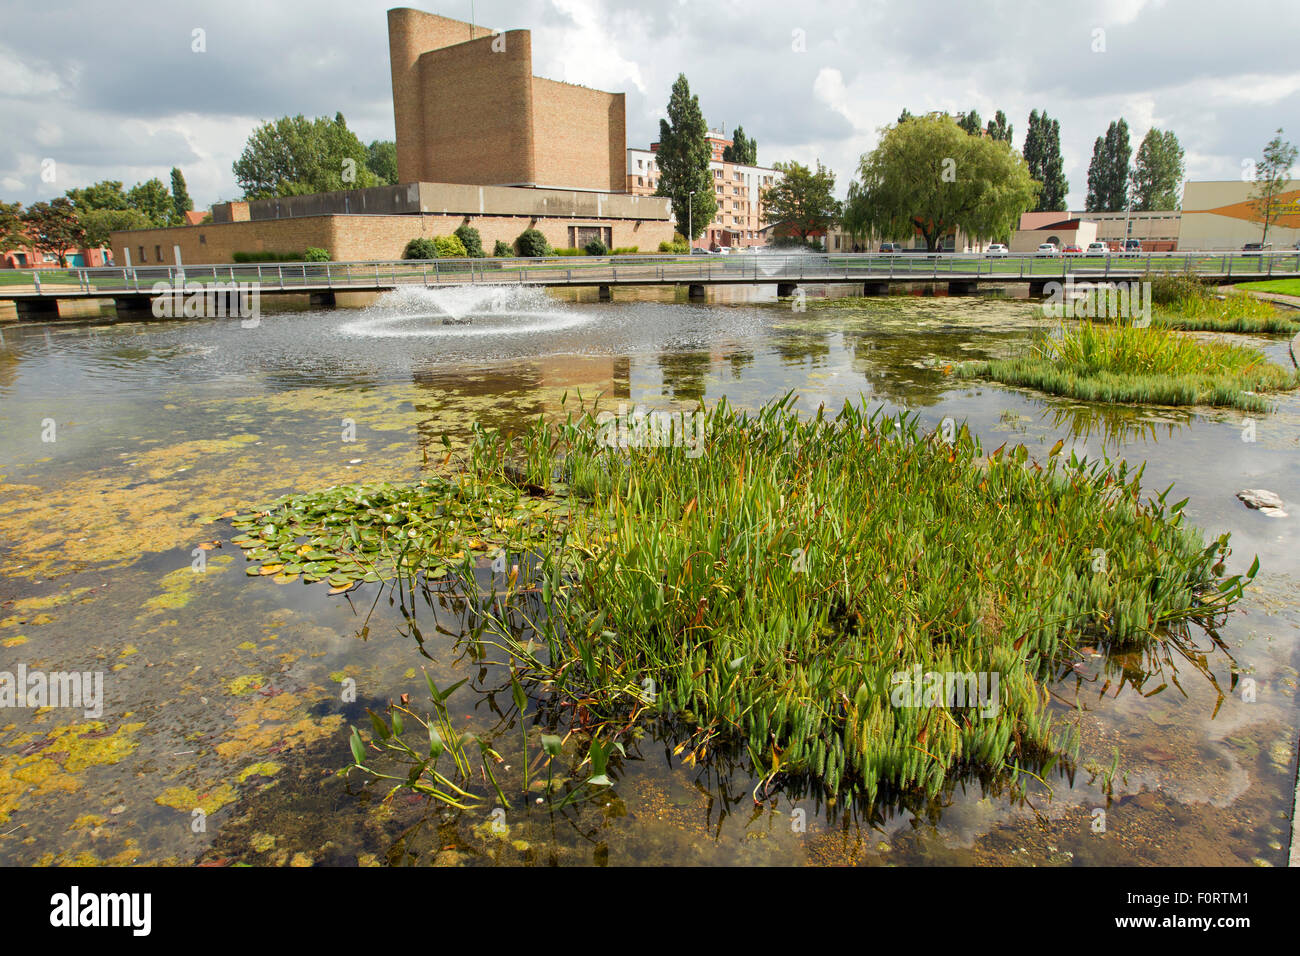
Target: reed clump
column 1131, row 364
column 1183, row 302
column 779, row 590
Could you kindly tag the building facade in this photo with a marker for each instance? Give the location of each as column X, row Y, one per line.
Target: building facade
column 737, row 188
column 467, row 109
column 1220, row 215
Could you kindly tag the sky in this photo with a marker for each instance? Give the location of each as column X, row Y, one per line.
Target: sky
column 126, row 91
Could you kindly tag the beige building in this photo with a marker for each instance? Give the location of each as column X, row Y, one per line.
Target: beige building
column 467, row 109
column 1219, row 214
column 738, row 190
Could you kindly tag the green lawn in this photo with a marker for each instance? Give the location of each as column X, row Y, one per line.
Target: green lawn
column 1280, row 286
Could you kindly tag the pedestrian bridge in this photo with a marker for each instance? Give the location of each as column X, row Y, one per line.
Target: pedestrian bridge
column 37, row 292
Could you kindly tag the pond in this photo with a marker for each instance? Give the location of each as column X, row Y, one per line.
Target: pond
column 224, row 720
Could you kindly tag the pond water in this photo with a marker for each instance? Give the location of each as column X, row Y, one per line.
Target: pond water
column 122, row 445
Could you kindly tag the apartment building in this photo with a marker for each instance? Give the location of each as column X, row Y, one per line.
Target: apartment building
column 738, row 190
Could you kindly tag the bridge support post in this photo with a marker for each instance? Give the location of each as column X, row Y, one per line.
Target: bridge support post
column 322, row 300
column 961, row 288
column 133, row 306
column 37, row 308
column 603, row 294
column 786, row 289
column 695, row 291
column 1037, row 288
column 875, row 288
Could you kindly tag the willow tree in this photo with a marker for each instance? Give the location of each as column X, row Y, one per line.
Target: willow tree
column 929, row 176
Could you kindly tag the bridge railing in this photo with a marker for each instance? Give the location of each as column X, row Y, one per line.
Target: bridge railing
column 602, row 270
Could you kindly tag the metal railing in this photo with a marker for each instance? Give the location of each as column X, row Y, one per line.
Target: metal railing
column 305, row 277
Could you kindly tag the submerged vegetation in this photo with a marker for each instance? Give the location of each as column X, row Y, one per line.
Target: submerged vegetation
column 1131, row 364
column 793, row 591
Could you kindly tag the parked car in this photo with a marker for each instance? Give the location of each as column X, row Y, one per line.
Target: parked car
column 1047, row 249
column 890, row 248
column 997, row 249
column 1098, row 249
column 1130, row 247
column 697, row 251
column 1072, row 251
column 1257, row 247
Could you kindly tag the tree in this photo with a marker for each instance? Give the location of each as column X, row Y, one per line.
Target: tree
column 293, row 156
column 53, row 228
column 1271, row 176
column 927, row 175
column 904, row 116
column 381, row 159
column 742, row 150
column 469, row 238
column 153, row 199
column 802, row 200
column 1108, row 175
column 12, row 234
column 970, row 122
column 1043, row 156
column 101, row 223
column 683, row 159
column 1157, row 171
column 107, row 194
column 181, row 201
column 999, row 129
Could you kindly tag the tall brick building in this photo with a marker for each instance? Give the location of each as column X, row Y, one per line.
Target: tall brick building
column 468, row 109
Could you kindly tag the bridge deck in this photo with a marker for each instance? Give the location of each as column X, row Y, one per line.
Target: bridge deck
column 738, row 269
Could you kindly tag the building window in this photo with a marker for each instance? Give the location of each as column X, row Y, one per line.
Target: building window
column 157, row 253
column 142, row 258
column 203, row 239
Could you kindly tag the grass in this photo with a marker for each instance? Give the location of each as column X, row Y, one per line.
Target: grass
column 1280, row 286
column 1126, row 364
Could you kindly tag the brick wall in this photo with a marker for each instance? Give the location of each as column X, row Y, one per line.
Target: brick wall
column 578, row 136
column 362, row 238
column 470, row 111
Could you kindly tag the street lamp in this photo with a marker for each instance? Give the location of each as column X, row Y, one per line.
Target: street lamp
column 690, row 217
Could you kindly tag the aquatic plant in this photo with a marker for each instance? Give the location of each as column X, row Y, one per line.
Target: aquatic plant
column 1127, row 363
column 777, row 592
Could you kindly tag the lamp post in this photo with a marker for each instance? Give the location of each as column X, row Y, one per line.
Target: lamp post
column 690, row 218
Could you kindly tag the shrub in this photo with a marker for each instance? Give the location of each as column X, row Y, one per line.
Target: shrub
column 679, row 246
column 568, row 252
column 471, row 240
column 1170, row 288
column 421, row 248
column 502, row 250
column 532, row 244
column 450, row 247
column 267, row 256
column 596, row 248
column 316, row 254
column 625, row 251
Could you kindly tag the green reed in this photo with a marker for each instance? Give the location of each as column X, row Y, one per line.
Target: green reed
column 772, row 590
column 1126, row 363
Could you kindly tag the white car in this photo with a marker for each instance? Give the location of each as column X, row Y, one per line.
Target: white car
column 1097, row 249
column 1047, row 249
column 997, row 249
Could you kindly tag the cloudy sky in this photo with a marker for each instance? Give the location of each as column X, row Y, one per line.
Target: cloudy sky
column 117, row 90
